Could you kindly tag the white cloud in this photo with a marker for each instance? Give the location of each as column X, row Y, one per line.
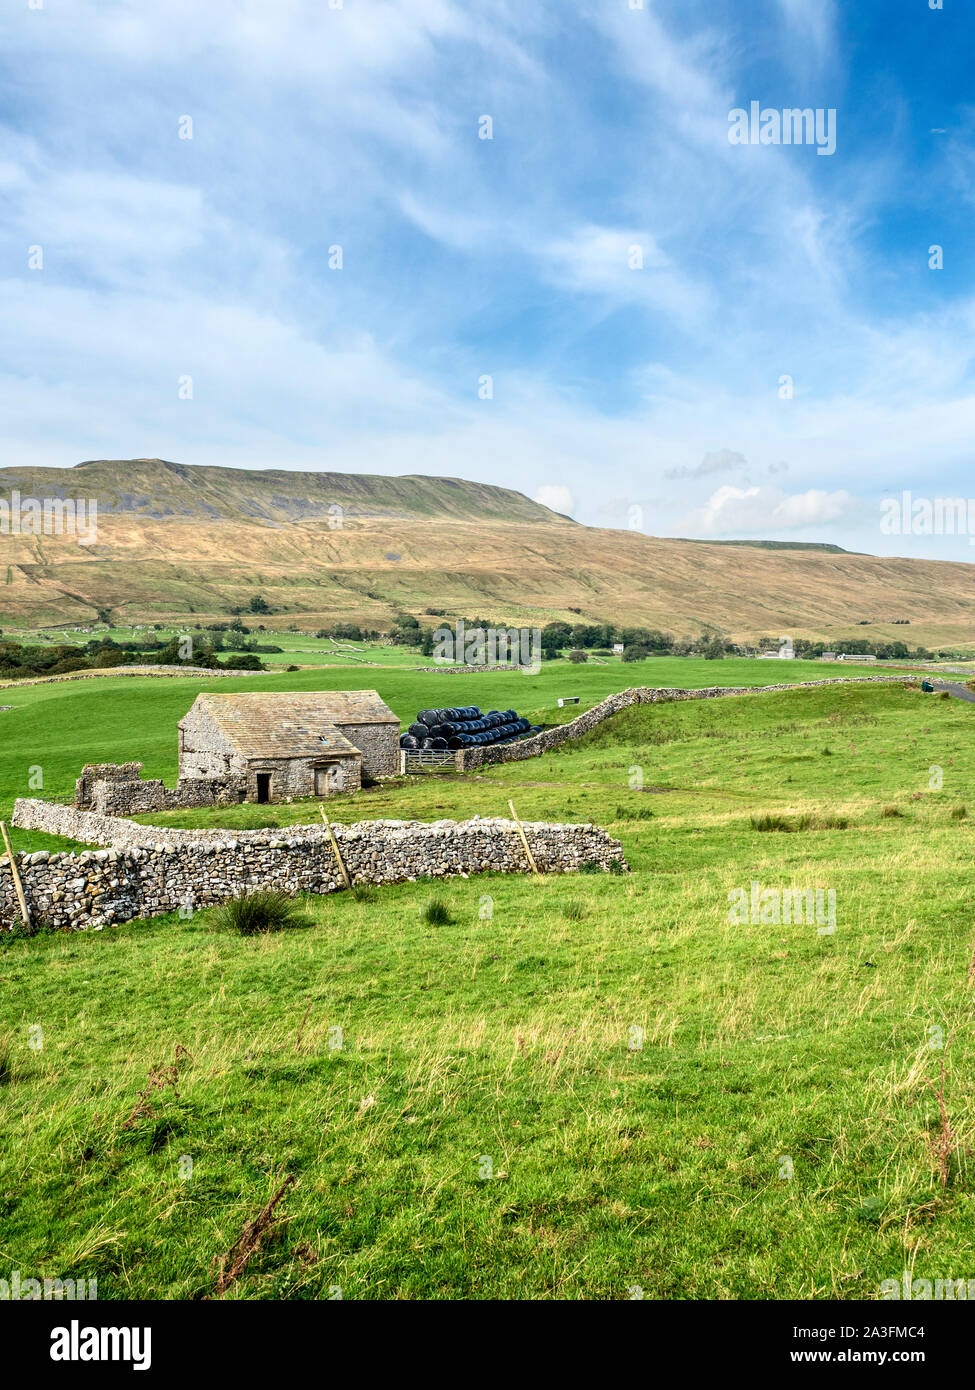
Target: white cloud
column 731, row 510
column 103, row 220
column 811, row 508
column 560, row 499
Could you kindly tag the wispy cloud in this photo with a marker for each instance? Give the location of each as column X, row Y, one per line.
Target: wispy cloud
column 718, row 461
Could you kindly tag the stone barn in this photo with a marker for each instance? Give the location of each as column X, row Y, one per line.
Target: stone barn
column 290, row 745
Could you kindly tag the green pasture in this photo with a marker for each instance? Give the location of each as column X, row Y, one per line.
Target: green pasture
column 579, row 1087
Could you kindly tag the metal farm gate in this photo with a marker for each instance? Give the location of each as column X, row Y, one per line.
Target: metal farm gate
column 419, row 760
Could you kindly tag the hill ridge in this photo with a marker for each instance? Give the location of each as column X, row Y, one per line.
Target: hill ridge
column 163, row 487
column 194, row 543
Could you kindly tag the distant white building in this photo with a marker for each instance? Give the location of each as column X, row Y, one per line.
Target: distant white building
column 786, row 651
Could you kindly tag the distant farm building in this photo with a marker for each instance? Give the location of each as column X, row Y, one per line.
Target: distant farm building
column 293, row 745
column 235, row 748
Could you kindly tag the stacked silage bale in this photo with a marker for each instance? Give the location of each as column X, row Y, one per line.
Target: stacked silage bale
column 465, row 726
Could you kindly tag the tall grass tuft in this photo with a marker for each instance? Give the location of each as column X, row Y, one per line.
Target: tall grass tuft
column 436, row 913
column 267, row 910
column 790, row 827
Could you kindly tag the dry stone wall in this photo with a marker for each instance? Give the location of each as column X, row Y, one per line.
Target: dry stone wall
column 139, row 874
column 470, row 758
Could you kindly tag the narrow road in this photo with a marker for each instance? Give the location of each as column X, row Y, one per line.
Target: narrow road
column 960, row 692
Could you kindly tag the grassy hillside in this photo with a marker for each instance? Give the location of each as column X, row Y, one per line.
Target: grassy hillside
column 666, row 1101
column 177, row 542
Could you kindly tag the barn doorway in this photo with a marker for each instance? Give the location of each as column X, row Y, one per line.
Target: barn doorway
column 264, row 786
column 329, row 779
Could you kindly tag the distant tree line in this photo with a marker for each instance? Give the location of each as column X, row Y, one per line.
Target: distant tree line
column 20, row 661
column 234, row 637
column 557, row 638
column 349, row 632
column 637, row 642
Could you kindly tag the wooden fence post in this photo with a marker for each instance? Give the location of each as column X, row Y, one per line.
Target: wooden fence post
column 335, row 848
column 524, row 838
column 25, row 915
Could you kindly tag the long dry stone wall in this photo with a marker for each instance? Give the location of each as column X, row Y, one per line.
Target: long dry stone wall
column 470, row 758
column 141, row 875
column 115, row 671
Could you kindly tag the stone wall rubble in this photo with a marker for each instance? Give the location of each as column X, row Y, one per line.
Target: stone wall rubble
column 119, row 789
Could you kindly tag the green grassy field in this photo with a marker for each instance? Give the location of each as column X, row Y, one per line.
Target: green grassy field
column 579, row 1086
column 51, row 730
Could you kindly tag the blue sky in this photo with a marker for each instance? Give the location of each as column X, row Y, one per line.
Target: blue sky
column 648, row 397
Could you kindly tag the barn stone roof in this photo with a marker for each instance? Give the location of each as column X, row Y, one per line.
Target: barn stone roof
column 271, row 725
